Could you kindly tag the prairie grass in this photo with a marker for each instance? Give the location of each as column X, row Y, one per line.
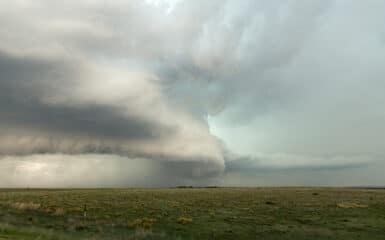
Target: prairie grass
column 193, row 213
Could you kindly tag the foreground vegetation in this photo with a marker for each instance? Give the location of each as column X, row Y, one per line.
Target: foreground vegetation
column 215, row 213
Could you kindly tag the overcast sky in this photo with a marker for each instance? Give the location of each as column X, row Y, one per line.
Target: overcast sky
column 176, row 92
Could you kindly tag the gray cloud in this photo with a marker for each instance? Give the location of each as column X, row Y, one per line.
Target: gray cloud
column 24, row 79
column 95, row 170
column 63, row 113
column 192, row 86
column 279, row 162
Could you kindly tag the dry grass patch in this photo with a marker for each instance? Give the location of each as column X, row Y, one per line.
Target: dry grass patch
column 59, row 212
column 142, row 223
column 351, row 205
column 25, row 205
column 184, row 220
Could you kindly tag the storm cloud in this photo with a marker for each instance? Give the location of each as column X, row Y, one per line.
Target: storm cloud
column 173, row 92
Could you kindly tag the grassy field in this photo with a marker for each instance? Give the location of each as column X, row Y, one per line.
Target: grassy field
column 215, row 213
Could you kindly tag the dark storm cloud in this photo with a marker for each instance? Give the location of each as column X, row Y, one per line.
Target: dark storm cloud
column 24, row 79
column 42, row 113
column 32, row 125
column 289, row 85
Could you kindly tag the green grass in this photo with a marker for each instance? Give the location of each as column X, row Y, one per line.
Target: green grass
column 215, row 213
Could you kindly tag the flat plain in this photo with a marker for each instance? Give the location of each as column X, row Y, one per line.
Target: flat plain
column 193, row 213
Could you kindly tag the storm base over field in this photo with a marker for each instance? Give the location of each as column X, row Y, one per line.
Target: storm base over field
column 175, row 92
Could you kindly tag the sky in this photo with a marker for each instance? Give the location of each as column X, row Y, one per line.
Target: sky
column 161, row 93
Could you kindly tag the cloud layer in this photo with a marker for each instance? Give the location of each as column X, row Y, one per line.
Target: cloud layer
column 196, row 92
